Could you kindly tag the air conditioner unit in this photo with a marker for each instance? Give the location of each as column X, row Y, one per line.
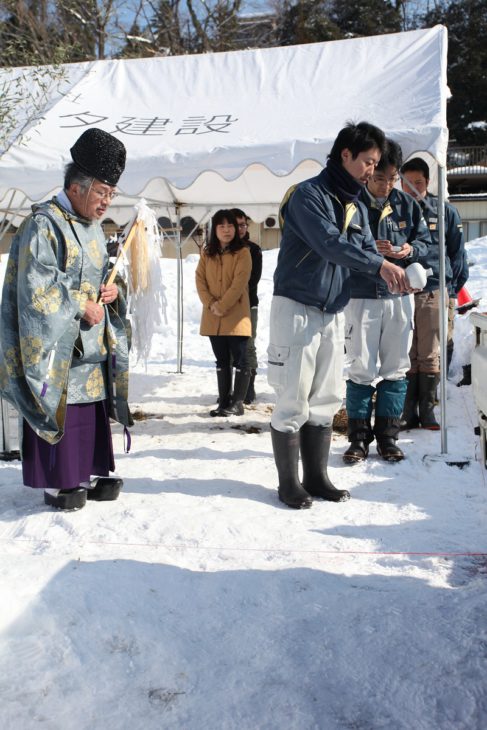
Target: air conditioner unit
column 188, row 225
column 271, row 222
column 166, row 224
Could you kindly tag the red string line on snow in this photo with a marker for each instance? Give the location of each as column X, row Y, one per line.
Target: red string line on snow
column 257, row 549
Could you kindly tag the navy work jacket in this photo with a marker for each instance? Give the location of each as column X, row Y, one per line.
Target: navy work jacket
column 456, row 267
column 400, row 220
column 322, row 240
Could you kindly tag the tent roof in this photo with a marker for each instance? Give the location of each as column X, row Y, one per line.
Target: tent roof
column 232, row 128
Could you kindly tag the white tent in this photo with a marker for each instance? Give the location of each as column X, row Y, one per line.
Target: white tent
column 238, row 128
column 229, row 128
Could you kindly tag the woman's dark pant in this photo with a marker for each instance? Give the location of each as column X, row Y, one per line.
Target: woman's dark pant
column 228, row 348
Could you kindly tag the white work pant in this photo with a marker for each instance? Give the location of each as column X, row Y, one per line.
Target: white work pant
column 378, row 337
column 305, row 364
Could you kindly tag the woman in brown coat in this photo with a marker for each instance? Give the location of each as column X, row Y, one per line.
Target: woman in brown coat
column 222, row 279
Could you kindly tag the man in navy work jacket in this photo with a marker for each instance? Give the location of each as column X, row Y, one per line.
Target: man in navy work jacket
column 325, row 234
column 378, row 323
column 424, row 374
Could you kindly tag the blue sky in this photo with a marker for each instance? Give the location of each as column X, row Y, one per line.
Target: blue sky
column 263, row 5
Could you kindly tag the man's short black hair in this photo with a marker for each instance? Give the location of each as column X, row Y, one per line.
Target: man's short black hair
column 357, row 138
column 417, row 164
column 238, row 213
column 391, row 157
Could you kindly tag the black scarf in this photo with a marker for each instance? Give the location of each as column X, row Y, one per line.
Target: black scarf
column 347, row 188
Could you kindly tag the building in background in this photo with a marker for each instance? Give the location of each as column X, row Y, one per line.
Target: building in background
column 467, row 187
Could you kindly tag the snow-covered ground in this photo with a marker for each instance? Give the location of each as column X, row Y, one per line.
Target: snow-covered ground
column 198, row 602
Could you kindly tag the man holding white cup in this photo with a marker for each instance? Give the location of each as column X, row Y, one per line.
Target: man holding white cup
column 379, row 323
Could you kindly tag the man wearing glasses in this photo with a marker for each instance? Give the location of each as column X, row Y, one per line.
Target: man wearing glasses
column 379, row 323
column 256, row 273
column 64, row 363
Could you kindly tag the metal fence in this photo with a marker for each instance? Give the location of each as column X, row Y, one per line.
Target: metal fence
column 467, row 160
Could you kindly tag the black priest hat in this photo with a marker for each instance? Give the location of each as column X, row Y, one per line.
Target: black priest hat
column 99, row 154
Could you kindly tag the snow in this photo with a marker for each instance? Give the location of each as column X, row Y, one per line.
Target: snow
column 477, row 125
column 468, row 170
column 198, row 602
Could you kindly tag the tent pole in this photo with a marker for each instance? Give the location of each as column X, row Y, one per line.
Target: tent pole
column 179, row 362
column 5, row 221
column 442, row 308
column 180, row 242
column 458, row 460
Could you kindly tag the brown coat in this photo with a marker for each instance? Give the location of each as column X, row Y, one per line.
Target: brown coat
column 224, row 278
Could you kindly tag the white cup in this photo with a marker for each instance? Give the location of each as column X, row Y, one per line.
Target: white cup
column 417, row 275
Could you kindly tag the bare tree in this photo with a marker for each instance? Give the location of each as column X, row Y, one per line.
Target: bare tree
column 89, row 27
column 215, row 27
column 413, row 11
column 165, row 28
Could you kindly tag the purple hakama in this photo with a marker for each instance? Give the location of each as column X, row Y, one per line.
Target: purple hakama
column 84, row 451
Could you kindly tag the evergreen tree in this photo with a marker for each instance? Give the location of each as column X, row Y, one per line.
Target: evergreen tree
column 28, row 37
column 25, row 34
column 369, row 17
column 306, row 21
column 466, row 21
column 168, row 29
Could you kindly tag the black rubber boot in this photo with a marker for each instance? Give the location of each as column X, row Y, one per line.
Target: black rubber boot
column 105, row 489
column 410, row 417
column 239, row 391
column 67, row 499
column 427, row 390
column 224, row 378
column 386, row 431
column 315, row 450
column 360, row 436
column 250, row 396
column 467, row 376
column 286, row 456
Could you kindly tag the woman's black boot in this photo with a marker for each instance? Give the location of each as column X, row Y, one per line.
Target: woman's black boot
column 224, row 378
column 239, row 391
